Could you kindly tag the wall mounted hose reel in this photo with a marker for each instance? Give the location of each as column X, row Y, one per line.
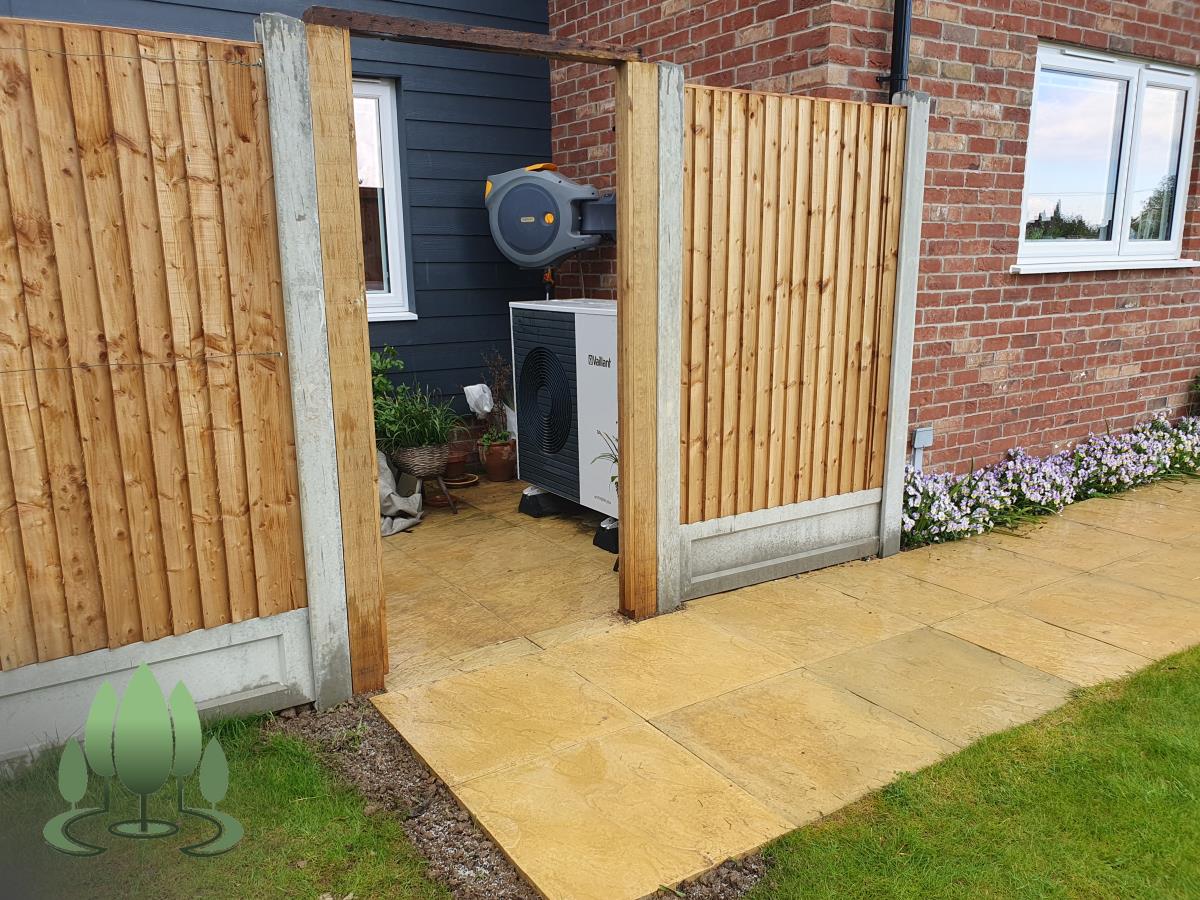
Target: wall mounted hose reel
column 539, row 218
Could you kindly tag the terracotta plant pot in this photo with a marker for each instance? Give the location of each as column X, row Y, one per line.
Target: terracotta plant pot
column 500, row 461
column 456, row 463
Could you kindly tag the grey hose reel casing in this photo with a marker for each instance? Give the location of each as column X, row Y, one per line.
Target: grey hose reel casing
column 536, row 216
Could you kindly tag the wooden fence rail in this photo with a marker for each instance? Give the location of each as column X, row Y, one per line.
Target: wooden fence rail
column 791, row 229
column 147, row 468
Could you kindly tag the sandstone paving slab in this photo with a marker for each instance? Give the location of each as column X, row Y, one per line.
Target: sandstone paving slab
column 1129, row 514
column 665, row 663
column 615, row 817
column 1125, row 615
column 884, row 587
column 1170, row 570
column 1075, row 657
column 1070, row 544
column 800, row 619
column 946, row 685
column 972, row 567
column 803, row 746
column 471, row 724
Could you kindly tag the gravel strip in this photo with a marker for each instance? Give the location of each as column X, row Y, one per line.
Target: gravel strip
column 359, row 744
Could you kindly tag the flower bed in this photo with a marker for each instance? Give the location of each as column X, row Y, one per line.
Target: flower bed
column 943, row 507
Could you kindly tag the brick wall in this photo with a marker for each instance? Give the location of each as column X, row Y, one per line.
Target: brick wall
column 1000, row 360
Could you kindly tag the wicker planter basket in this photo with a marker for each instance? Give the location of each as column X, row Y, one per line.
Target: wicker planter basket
column 422, row 462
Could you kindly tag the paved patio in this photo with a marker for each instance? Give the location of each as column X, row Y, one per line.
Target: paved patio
column 608, row 764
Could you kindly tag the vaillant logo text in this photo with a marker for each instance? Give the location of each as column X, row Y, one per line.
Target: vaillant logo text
column 603, row 362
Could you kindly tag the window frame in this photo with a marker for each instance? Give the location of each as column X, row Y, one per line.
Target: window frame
column 1120, row 251
column 392, row 305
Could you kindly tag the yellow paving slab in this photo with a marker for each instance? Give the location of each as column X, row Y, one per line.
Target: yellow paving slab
column 1170, row 570
column 801, row 745
column 616, row 817
column 799, row 619
column 1070, row 544
column 550, row 596
column 445, row 622
column 665, row 663
column 1082, row 660
column 1142, row 621
column 429, row 667
column 971, row 567
column 884, row 587
column 1183, row 494
column 490, row 555
column 946, row 685
column 1129, row 514
column 480, row 722
column 575, row 631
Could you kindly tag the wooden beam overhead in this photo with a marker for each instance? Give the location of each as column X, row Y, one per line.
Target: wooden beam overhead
column 469, row 37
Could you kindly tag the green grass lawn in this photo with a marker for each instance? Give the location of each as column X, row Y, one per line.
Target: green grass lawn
column 1099, row 799
column 306, row 835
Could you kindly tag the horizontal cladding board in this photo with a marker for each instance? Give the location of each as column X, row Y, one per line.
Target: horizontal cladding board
column 464, row 165
column 443, row 248
column 442, row 136
column 475, row 111
column 448, row 304
column 482, row 327
column 448, row 221
column 447, row 193
column 455, row 276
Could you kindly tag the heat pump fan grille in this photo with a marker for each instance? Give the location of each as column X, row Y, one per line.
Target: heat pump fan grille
column 544, row 401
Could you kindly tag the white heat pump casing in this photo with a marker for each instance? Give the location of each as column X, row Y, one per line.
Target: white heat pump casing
column 595, row 401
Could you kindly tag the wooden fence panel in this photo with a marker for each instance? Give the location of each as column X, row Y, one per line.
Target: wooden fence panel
column 791, row 237
column 147, row 469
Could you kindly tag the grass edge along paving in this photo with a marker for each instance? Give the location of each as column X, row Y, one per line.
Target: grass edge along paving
column 307, row 834
column 1100, row 798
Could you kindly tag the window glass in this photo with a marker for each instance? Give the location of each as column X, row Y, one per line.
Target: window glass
column 1155, row 169
column 1074, row 154
column 371, row 188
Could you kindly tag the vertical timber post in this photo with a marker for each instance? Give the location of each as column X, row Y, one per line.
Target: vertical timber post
column 904, row 323
column 637, row 125
column 331, row 89
column 285, row 58
column 670, row 322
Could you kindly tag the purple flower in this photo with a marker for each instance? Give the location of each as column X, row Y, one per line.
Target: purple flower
column 941, row 507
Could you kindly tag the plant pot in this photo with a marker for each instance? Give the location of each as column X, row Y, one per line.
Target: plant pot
column 423, row 462
column 500, row 461
column 456, row 464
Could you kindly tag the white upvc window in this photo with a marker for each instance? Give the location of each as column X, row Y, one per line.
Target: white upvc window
column 1108, row 163
column 378, row 149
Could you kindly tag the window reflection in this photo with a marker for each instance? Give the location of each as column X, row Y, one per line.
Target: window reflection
column 1156, row 166
column 371, row 192
column 1074, row 152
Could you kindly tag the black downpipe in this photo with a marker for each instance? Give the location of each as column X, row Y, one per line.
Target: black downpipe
column 897, row 78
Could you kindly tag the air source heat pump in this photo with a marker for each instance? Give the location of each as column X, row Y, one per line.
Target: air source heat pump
column 565, row 374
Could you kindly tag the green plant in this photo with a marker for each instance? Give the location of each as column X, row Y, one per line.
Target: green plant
column 412, row 417
column 1194, row 396
column 406, row 416
column 384, row 364
column 612, row 455
column 494, row 435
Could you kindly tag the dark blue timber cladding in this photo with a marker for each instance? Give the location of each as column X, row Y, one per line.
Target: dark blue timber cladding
column 464, row 115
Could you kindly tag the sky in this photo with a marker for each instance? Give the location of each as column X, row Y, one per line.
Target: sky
column 1074, row 143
